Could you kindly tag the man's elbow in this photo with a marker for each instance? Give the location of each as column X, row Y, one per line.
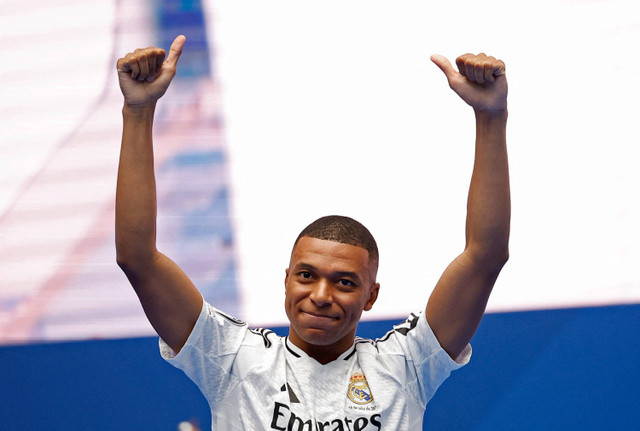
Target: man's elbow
column 492, row 257
column 130, row 258
column 124, row 261
column 500, row 256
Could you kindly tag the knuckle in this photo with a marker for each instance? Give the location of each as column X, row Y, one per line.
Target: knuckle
column 462, row 58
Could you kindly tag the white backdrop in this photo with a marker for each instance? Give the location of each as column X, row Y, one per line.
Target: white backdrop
column 335, row 108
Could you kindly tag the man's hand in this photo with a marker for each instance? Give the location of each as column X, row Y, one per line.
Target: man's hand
column 480, row 80
column 144, row 75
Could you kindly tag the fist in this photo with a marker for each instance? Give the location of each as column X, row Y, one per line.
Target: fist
column 480, row 80
column 144, row 75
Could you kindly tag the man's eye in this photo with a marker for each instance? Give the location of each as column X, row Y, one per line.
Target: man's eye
column 305, row 274
column 345, row 282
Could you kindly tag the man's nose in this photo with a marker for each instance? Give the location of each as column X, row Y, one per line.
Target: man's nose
column 321, row 293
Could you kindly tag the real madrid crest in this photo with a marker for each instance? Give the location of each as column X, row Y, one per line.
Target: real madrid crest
column 359, row 391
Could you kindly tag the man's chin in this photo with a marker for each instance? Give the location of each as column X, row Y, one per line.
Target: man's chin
column 312, row 336
column 317, row 337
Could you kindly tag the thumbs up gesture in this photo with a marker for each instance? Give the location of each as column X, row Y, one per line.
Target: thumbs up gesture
column 144, row 75
column 480, row 80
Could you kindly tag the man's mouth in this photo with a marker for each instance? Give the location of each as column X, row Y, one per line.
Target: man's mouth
column 319, row 315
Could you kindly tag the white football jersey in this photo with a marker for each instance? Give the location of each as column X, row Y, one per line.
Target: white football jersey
column 254, row 379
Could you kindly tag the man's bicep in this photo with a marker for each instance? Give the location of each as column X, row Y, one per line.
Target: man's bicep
column 169, row 298
column 458, row 301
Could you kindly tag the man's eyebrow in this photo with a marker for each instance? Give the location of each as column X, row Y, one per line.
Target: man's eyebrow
column 303, row 265
column 337, row 274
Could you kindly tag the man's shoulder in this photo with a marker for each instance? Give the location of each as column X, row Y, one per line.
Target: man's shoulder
column 223, row 329
column 391, row 341
column 262, row 337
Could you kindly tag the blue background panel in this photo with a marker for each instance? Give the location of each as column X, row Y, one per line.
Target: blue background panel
column 552, row 370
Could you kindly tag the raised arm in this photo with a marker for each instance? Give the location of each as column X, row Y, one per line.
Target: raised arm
column 459, row 299
column 169, row 299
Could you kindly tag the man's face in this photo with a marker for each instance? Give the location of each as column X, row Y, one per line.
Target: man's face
column 328, row 285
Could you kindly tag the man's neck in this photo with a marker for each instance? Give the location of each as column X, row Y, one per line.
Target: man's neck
column 321, row 353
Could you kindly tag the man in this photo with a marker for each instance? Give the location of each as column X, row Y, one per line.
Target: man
column 319, row 377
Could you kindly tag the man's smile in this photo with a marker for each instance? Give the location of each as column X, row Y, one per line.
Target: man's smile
column 314, row 315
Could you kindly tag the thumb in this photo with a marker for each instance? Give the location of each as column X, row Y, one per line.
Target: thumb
column 444, row 65
column 175, row 50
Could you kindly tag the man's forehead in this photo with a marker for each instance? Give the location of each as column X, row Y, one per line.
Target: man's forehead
column 307, row 244
column 332, row 256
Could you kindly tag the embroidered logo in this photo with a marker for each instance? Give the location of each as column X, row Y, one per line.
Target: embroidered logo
column 358, row 390
column 292, row 395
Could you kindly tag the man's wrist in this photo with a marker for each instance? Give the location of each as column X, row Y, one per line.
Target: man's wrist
column 491, row 116
column 141, row 111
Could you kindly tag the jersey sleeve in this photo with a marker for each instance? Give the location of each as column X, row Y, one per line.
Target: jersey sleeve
column 427, row 364
column 209, row 352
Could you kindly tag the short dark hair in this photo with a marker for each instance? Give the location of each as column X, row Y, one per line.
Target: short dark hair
column 344, row 230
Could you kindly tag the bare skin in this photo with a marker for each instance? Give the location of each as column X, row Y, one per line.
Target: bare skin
column 324, row 299
column 170, row 300
column 459, row 299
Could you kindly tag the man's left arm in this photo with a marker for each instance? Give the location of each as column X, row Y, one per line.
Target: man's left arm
column 459, row 299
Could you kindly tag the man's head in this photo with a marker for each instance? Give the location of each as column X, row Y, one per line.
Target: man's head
column 344, row 230
column 329, row 283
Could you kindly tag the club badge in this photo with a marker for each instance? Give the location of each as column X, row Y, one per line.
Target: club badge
column 358, row 390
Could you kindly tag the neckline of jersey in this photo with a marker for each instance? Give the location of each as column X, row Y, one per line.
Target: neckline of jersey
column 296, row 352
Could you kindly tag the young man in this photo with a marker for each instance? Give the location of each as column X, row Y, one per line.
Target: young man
column 319, row 377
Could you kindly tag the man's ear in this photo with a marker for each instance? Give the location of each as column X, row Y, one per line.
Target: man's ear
column 286, row 278
column 373, row 296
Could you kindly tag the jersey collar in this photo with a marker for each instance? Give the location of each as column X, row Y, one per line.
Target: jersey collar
column 294, row 352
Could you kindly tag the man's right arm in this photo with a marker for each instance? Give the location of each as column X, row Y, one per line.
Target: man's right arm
column 169, row 299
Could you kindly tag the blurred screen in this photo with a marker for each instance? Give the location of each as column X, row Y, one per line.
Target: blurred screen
column 284, row 112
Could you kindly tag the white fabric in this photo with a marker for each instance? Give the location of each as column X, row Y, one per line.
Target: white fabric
column 256, row 380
